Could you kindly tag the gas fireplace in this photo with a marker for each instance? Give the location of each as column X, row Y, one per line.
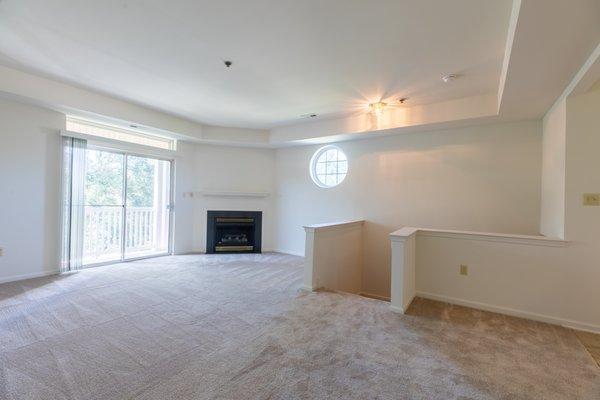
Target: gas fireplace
column 233, row 232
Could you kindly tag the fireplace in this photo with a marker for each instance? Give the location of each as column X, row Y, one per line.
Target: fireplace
column 233, row 232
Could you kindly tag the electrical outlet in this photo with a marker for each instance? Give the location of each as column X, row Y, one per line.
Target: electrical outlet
column 591, row 199
column 464, row 270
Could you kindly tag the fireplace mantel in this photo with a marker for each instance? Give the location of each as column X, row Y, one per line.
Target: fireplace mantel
column 222, row 193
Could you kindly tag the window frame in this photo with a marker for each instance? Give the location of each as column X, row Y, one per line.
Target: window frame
column 313, row 166
column 107, row 133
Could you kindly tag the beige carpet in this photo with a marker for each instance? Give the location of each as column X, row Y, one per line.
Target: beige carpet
column 236, row 327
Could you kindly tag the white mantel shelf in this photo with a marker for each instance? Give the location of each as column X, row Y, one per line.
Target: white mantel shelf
column 222, row 193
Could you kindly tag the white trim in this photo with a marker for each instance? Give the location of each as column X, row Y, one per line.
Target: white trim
column 397, row 310
column 307, row 288
column 105, row 130
column 290, row 252
column 374, row 296
column 313, row 166
column 188, row 253
column 16, row 278
column 581, row 82
column 404, row 308
column 332, row 225
column 567, row 323
column 402, row 234
column 122, row 261
column 510, row 39
column 120, row 146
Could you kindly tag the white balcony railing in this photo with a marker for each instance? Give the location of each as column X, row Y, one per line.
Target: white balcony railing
column 103, row 232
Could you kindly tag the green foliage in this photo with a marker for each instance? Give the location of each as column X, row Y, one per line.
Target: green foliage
column 104, row 179
column 140, row 181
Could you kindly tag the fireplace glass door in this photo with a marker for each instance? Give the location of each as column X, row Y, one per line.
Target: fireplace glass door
column 233, row 231
column 234, row 234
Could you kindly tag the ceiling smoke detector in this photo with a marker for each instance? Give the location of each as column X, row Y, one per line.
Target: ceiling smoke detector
column 450, row 77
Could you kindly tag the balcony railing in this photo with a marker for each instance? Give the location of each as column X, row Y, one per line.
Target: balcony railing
column 103, row 232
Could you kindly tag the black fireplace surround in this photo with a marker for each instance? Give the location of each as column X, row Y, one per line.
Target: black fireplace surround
column 233, row 232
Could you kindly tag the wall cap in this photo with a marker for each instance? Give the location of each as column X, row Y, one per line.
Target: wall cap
column 333, row 225
column 404, row 233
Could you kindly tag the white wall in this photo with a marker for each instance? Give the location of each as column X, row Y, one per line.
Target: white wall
column 552, row 221
column 183, row 222
column 553, row 284
column 582, row 223
column 484, row 178
column 334, row 257
column 531, row 281
column 30, row 167
column 232, row 169
column 30, row 156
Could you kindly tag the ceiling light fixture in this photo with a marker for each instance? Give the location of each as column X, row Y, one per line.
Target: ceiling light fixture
column 377, row 108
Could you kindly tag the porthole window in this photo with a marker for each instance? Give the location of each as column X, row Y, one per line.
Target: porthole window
column 328, row 166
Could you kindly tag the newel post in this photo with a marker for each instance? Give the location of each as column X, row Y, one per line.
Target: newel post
column 309, row 279
column 403, row 291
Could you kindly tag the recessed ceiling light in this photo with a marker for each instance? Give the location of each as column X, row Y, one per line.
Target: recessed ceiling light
column 450, row 77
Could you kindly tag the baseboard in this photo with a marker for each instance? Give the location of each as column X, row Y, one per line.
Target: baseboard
column 290, row 252
column 16, row 278
column 263, row 250
column 307, row 288
column 398, row 310
column 567, row 323
column 374, row 296
column 402, row 310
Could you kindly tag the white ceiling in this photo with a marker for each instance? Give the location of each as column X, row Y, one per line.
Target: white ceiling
column 290, row 57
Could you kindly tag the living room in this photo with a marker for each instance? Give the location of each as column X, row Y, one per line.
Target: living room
column 265, row 199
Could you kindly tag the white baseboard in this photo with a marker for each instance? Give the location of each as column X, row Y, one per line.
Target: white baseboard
column 263, row 250
column 398, row 310
column 567, row 323
column 307, row 288
column 290, row 252
column 22, row 277
column 374, row 296
column 402, row 310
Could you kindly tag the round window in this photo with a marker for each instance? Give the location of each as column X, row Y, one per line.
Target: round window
column 328, row 166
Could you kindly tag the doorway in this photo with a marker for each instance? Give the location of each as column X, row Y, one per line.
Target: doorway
column 127, row 207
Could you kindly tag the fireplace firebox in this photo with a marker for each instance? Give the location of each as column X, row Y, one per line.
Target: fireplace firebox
column 233, row 232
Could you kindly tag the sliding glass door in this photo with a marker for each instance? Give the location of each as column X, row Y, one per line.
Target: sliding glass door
column 147, row 207
column 127, row 211
column 103, row 207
